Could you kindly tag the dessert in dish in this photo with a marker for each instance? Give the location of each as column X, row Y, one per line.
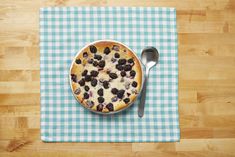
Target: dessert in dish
column 106, row 76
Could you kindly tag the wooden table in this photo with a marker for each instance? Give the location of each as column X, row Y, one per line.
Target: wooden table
column 206, row 82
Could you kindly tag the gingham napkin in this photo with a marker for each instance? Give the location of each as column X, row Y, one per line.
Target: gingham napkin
column 64, row 31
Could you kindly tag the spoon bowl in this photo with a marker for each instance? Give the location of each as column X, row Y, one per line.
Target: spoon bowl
column 149, row 58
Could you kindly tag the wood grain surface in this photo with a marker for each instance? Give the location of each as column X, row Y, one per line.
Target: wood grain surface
column 206, row 82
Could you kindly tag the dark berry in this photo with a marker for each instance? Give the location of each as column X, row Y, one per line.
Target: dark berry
column 94, row 82
column 86, row 88
column 127, row 67
column 101, row 80
column 126, row 100
column 84, row 72
column 116, row 55
column 127, row 85
column 100, row 99
column 122, row 61
column 85, row 95
column 99, row 107
column 88, row 78
column 90, row 104
column 95, row 63
column 94, row 73
column 134, row 84
column 119, row 67
column 82, row 82
column 78, row 61
column 123, row 73
column 120, row 93
column 109, row 106
column 113, row 60
column 74, row 77
column 98, row 57
column 114, row 90
column 100, row 92
column 93, row 49
column 85, row 54
column 77, row 91
column 108, row 71
column 128, row 94
column 114, row 99
column 102, row 63
column 130, row 60
column 132, row 73
column 106, row 84
column 113, row 75
column 107, row 51
column 116, row 47
column 90, row 61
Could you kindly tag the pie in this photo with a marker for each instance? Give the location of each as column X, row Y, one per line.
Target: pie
column 106, row 76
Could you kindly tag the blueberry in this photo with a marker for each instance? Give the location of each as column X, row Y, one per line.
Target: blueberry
column 74, row 77
column 84, row 72
column 78, row 61
column 123, row 73
column 119, row 67
column 82, row 82
column 113, row 60
column 106, row 84
column 128, row 94
column 87, row 88
column 114, row 90
column 134, row 84
column 98, row 57
column 120, row 93
column 109, row 106
column 113, row 75
column 88, row 78
column 134, row 91
column 100, row 99
column 132, row 73
column 116, row 55
column 108, row 71
column 85, row 54
column 77, row 91
column 127, row 67
column 85, row 95
column 90, row 61
column 116, row 47
column 126, row 100
column 107, row 51
column 99, row 107
column 93, row 49
column 122, row 61
column 101, row 80
column 101, row 63
column 94, row 73
column 130, row 60
column 100, row 92
column 90, row 104
column 114, row 99
column 94, row 82
column 95, row 63
column 127, row 85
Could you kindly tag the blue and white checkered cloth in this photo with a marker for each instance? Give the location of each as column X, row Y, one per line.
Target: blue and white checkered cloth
column 64, row 31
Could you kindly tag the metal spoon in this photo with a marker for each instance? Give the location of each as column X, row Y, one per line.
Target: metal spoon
column 149, row 58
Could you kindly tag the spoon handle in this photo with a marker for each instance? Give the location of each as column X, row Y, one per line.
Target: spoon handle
column 143, row 96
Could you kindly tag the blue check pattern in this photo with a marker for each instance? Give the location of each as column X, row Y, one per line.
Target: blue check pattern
column 65, row 30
